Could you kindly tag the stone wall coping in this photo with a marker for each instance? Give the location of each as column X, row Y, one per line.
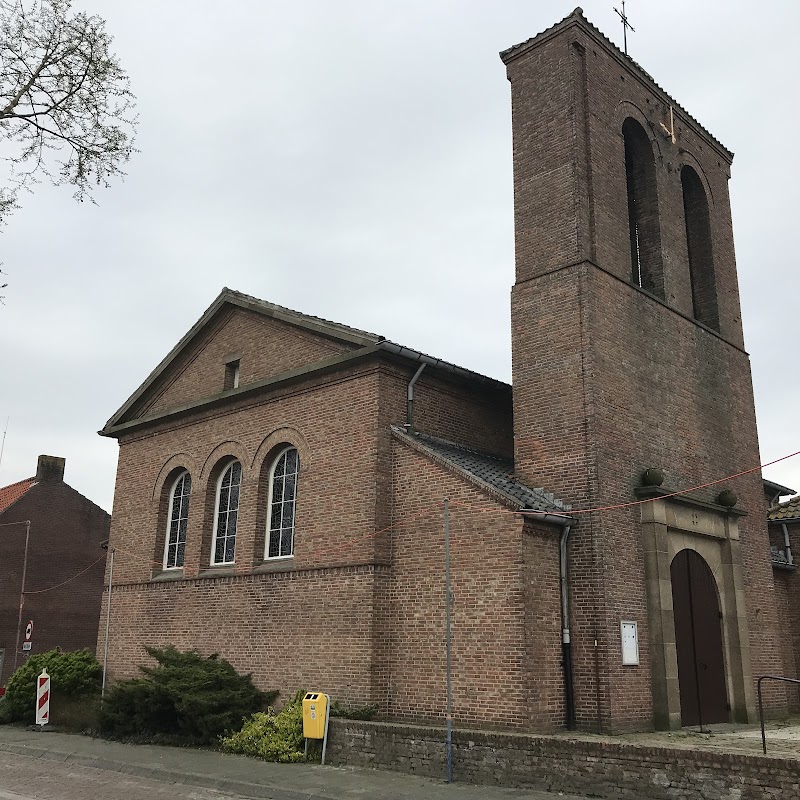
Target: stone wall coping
column 575, row 742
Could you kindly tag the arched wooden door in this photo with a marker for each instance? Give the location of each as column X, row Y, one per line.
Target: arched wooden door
column 698, row 637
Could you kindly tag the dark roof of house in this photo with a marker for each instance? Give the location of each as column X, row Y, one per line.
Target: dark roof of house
column 577, row 17
column 361, row 341
column 777, row 489
column 11, row 493
column 487, row 470
column 785, row 511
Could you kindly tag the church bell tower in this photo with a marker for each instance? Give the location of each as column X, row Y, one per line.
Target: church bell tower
column 631, row 383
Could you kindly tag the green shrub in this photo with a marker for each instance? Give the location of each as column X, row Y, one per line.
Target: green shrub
column 76, row 674
column 138, row 709
column 273, row 736
column 353, row 712
column 185, row 698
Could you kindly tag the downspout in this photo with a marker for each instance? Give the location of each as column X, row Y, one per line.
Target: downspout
column 409, row 426
column 566, row 643
column 787, row 543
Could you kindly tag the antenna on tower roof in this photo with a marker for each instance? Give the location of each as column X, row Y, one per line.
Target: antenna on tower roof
column 3, row 444
column 625, row 26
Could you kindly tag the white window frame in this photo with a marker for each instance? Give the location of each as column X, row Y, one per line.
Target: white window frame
column 267, row 556
column 222, row 475
column 170, row 506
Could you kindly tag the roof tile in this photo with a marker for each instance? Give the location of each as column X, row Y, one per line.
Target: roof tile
column 786, row 511
column 10, row 494
column 495, row 471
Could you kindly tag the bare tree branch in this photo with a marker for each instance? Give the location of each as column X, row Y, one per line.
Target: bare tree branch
column 65, row 101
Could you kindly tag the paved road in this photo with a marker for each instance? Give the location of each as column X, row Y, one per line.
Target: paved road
column 24, row 778
column 50, row 777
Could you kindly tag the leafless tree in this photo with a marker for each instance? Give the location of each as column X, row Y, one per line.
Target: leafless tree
column 66, row 109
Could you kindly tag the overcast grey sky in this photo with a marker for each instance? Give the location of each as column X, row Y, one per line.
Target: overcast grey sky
column 352, row 159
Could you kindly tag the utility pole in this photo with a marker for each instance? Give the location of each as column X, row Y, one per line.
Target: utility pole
column 108, row 620
column 448, row 599
column 22, row 589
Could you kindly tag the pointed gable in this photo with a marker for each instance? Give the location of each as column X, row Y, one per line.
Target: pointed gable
column 263, row 348
column 261, row 339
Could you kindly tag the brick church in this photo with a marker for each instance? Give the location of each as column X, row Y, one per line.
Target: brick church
column 281, row 481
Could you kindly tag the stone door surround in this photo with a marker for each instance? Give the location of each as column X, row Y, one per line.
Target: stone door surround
column 670, row 525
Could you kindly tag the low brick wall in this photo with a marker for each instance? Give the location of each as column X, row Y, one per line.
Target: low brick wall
column 599, row 769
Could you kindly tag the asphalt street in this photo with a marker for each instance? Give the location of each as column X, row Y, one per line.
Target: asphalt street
column 25, row 778
column 48, row 773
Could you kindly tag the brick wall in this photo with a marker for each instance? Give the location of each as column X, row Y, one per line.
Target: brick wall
column 595, row 769
column 622, row 381
column 505, row 624
column 200, row 369
column 323, row 617
column 66, row 533
column 291, row 628
column 787, row 599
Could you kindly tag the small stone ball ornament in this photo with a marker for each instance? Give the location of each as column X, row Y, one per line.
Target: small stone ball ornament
column 653, row 476
column 727, row 498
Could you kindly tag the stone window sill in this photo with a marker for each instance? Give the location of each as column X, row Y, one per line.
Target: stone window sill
column 217, row 570
column 274, row 565
column 167, row 575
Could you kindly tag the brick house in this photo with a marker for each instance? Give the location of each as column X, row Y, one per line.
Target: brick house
column 64, row 546
column 784, row 531
column 281, row 481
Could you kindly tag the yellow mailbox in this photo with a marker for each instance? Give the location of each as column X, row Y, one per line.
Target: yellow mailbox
column 315, row 715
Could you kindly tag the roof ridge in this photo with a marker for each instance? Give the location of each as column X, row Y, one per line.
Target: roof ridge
column 17, row 483
column 286, row 310
column 788, row 502
column 14, row 491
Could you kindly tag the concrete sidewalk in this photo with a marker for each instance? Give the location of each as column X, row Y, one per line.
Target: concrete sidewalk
column 247, row 777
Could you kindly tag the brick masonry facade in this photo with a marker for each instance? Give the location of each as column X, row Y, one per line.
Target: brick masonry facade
column 640, row 382
column 564, row 766
column 66, row 532
column 608, row 379
column 787, row 598
column 327, row 616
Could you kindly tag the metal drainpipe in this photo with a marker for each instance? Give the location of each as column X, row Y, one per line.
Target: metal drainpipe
column 409, row 426
column 787, row 543
column 566, row 644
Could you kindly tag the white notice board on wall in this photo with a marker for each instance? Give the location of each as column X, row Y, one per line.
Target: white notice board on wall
column 630, row 642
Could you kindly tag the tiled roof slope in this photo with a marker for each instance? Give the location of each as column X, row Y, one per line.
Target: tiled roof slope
column 577, row 16
column 10, row 494
column 491, row 471
column 785, row 511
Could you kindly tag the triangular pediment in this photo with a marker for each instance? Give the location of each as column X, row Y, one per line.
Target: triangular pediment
column 265, row 339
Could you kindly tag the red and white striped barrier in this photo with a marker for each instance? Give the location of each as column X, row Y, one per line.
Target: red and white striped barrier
column 43, row 699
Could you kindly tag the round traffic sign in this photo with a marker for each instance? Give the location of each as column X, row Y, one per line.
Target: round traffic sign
column 29, row 630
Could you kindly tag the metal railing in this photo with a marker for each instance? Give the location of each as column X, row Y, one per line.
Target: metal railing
column 761, row 703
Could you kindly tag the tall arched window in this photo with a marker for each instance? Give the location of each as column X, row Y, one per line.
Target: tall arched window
column 177, row 520
column 647, row 270
column 281, row 505
column 226, row 512
column 698, row 242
